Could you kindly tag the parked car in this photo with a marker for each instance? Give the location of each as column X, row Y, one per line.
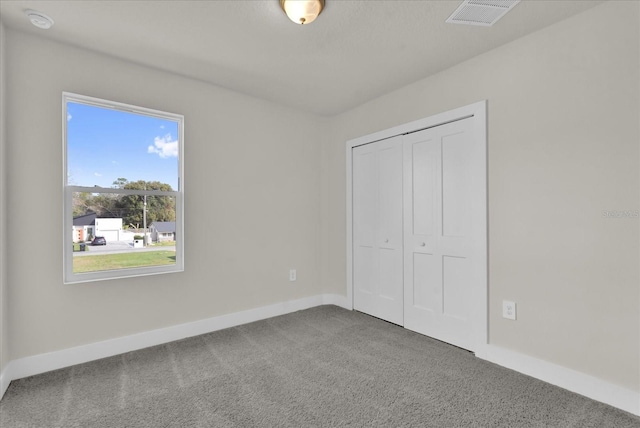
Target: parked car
column 99, row 240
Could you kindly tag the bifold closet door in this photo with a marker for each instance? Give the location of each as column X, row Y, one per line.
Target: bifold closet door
column 441, row 252
column 377, row 229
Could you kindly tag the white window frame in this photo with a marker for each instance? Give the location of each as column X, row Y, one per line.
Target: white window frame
column 68, row 190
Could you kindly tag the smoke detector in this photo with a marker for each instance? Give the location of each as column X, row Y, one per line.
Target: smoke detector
column 39, row 19
column 481, row 12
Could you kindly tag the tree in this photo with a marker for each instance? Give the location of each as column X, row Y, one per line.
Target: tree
column 128, row 207
column 120, row 183
column 101, row 204
column 81, row 203
column 159, row 208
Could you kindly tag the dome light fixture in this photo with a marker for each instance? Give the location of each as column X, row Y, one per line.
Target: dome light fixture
column 302, row 11
column 39, row 19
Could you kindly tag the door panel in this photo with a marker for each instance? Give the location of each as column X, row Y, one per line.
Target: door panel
column 427, row 295
column 364, row 261
column 438, row 185
column 390, row 195
column 391, row 274
column 377, row 229
column 456, row 183
column 454, row 285
column 364, row 206
column 423, row 192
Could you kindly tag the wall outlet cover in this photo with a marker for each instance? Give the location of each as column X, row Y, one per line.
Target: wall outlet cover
column 509, row 310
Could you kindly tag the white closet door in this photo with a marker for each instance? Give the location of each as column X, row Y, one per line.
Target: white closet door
column 377, row 229
column 441, row 255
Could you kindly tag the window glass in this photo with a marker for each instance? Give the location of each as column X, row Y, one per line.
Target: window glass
column 106, row 146
column 123, row 195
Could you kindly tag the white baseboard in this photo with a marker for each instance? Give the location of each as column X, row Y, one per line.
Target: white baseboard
column 563, row 377
column 5, row 379
column 574, row 381
column 337, row 300
column 36, row 364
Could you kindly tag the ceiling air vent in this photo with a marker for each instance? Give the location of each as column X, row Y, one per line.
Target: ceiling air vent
column 481, row 12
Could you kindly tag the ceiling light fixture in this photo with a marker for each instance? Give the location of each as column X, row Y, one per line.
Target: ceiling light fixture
column 39, row 19
column 302, row 11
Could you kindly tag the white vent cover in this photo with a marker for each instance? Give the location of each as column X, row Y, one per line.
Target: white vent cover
column 481, row 12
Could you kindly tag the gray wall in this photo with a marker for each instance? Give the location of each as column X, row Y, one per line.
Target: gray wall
column 251, row 201
column 4, row 307
column 563, row 108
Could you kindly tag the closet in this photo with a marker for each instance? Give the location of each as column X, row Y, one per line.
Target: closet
column 418, row 224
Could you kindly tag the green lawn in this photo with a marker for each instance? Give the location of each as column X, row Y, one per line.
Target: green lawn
column 164, row 244
column 123, row 261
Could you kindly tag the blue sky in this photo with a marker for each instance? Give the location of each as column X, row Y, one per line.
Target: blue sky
column 105, row 144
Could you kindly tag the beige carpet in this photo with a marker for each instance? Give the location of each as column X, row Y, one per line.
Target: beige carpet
column 322, row 367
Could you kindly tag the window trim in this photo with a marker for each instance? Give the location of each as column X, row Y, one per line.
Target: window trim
column 67, row 190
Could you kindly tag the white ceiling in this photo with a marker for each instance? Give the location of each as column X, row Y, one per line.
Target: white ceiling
column 354, row 52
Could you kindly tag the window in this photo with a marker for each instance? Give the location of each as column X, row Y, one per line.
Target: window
column 123, row 190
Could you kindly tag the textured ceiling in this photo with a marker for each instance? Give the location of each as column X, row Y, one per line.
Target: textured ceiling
column 354, row 52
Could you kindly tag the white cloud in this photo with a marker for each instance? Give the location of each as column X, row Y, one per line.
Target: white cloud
column 97, row 174
column 165, row 147
column 115, row 162
column 69, row 117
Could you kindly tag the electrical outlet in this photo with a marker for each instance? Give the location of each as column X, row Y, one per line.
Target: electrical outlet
column 509, row 310
column 292, row 275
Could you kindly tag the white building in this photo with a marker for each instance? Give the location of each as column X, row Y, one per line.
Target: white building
column 88, row 226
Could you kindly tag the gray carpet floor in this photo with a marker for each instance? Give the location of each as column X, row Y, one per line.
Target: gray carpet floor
column 322, row 367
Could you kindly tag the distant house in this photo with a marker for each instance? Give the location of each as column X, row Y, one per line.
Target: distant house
column 163, row 231
column 84, row 227
column 88, row 226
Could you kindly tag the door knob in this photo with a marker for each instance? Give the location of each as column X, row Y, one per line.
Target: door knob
column 423, row 244
column 386, row 241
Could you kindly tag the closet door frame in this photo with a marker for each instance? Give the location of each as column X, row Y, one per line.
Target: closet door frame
column 478, row 111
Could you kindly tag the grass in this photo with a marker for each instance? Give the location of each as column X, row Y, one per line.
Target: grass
column 123, row 261
column 164, row 244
